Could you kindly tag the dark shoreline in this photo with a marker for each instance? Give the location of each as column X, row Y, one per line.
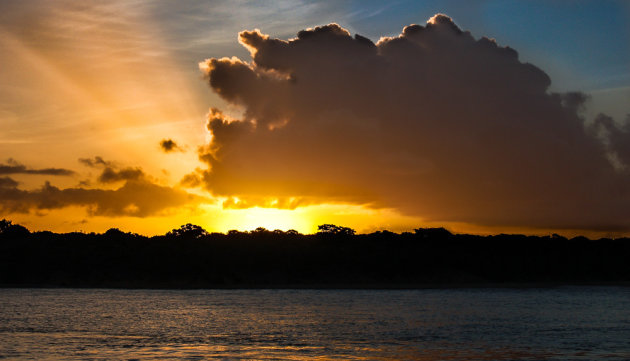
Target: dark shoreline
column 190, row 258
column 358, row 287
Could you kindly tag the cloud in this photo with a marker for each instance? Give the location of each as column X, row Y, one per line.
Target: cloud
column 139, row 196
column 112, row 172
column 616, row 138
column 431, row 122
column 265, row 202
column 192, row 180
column 8, row 182
column 169, row 145
column 14, row 167
column 95, row 162
column 136, row 198
column 111, row 175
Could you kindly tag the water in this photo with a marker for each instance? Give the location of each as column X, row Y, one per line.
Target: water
column 482, row 324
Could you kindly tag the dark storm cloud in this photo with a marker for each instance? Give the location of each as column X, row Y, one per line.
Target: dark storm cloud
column 431, row 122
column 169, row 145
column 138, row 198
column 14, row 167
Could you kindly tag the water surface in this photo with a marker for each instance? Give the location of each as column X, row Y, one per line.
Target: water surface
column 576, row 323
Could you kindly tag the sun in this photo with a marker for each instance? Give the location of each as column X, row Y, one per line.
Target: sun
column 269, row 218
column 305, row 219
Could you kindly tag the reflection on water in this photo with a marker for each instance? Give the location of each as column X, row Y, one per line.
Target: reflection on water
column 483, row 324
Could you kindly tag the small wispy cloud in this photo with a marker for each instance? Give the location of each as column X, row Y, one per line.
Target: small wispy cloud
column 14, row 167
column 169, row 145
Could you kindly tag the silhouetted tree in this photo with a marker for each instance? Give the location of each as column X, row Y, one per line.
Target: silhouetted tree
column 260, row 231
column 4, row 225
column 433, row 233
column 114, row 232
column 10, row 230
column 188, row 230
column 331, row 229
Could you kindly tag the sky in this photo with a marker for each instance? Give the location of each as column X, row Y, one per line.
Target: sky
column 493, row 117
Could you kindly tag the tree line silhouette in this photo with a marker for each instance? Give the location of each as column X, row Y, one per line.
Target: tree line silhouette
column 191, row 257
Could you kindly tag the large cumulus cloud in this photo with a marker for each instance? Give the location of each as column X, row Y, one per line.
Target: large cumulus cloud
column 432, row 122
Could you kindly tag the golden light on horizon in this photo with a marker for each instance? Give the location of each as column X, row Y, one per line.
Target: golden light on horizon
column 350, row 129
column 305, row 219
column 269, row 218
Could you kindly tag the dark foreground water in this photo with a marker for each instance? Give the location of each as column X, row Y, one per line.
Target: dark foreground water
column 481, row 324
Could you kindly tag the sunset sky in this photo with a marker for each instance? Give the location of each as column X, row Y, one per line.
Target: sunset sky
column 497, row 116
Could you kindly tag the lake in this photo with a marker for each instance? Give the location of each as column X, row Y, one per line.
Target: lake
column 572, row 323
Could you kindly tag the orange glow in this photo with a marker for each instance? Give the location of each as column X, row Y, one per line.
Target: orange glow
column 100, row 99
column 107, row 80
column 215, row 219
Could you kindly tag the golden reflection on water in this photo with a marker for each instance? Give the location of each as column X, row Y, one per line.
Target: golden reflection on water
column 122, row 347
column 315, row 325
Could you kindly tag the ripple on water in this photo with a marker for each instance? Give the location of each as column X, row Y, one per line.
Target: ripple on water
column 489, row 324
